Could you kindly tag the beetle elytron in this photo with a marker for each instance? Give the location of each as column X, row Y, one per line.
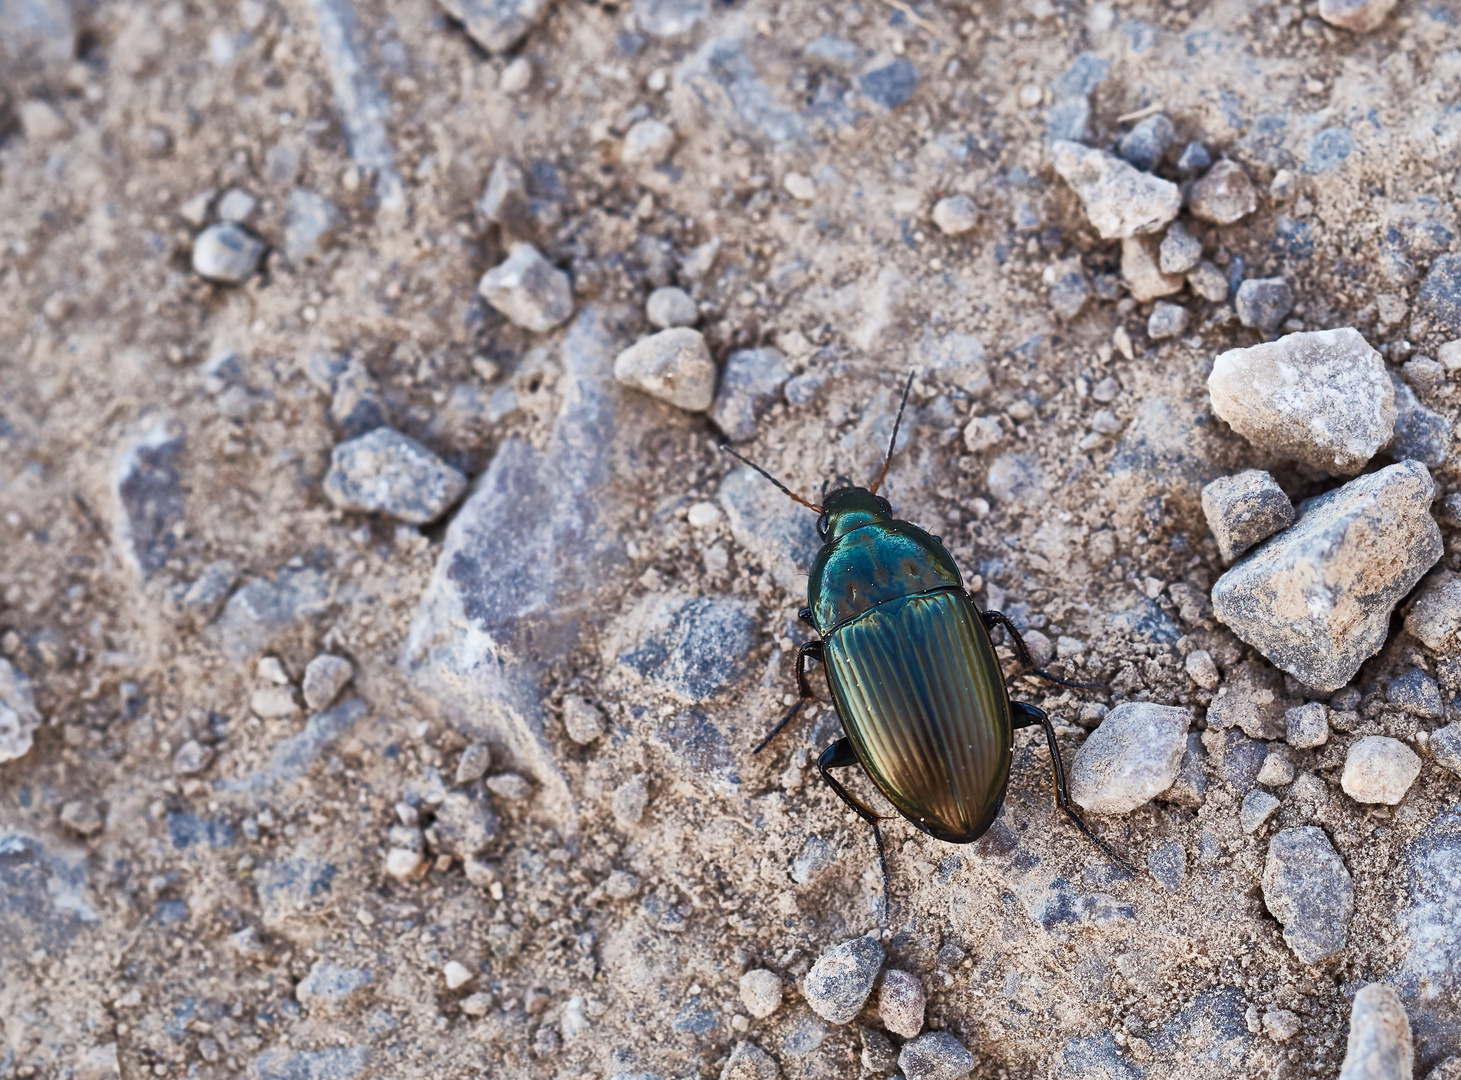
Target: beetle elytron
column 913, row 673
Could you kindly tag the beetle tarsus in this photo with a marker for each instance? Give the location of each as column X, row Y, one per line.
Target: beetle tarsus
column 811, row 649
column 998, row 618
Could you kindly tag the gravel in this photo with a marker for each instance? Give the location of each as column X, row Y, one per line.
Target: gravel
column 1264, row 303
column 1379, row 769
column 1142, row 272
column 749, row 1062
column 1438, row 304
column 1306, row 726
column 464, row 825
column 673, row 365
column 1144, row 145
column 1180, row 251
column 1120, row 201
column 476, row 759
column 982, row 432
column 647, row 143
column 1359, row 16
column 528, row 289
column 18, row 716
column 1362, row 548
column 1224, row 196
column 1278, row 769
column 82, row 817
column 193, row 757
column 1203, row 670
column 668, row 307
column 1069, row 287
column 1416, row 693
column 901, row 1002
column 1435, row 612
column 1167, row 320
column 1307, row 888
column 1321, row 398
column 935, row 1056
column 1379, row 1046
column 226, row 253
column 1131, row 758
column 816, row 855
column 1245, row 509
column 1208, row 282
column 750, row 384
column 1194, row 159
column 1281, row 1025
column 1257, row 807
column 1446, row 747
column 955, row 215
column 760, row 992
column 505, row 198
column 630, row 800
column 1420, row 433
column 386, row 472
column 891, row 85
column 509, row 786
column 842, row 978
column 236, row 206
column 582, row 720
column 324, row 677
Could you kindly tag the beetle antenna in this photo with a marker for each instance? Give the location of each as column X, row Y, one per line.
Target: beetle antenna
column 907, row 386
column 813, row 507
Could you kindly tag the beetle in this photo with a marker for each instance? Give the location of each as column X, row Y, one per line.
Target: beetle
column 914, row 676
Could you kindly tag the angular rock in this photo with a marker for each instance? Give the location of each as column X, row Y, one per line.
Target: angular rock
column 1142, row 273
column 695, row 747
column 749, row 1062
column 476, row 759
column 1244, row 509
column 1307, row 888
column 1257, row 807
column 1420, row 434
column 935, row 1056
column 1180, row 251
column 1094, row 1057
column 528, row 289
column 464, row 825
column 1235, row 757
column 205, row 596
column 891, row 85
column 1438, row 304
column 1277, row 769
column 1416, row 693
column 324, row 677
column 901, row 1002
column 497, row 25
column 330, row 989
column 1380, row 1046
column 82, row 816
column 1322, row 398
column 1166, row 321
column 292, row 756
column 1168, row 865
column 816, row 855
column 1316, row 600
column 957, row 360
column 981, row 433
column 669, row 307
column 1208, row 282
column 630, row 800
column 1359, row 16
column 691, row 647
column 1202, row 669
column 721, row 82
column 1131, row 758
column 1264, row 303
column 1120, row 201
column 1252, row 699
column 1193, row 160
column 1281, row 1025
column 1144, row 145
column 99, row 1062
column 509, row 786
column 582, row 720
column 1306, row 726
column 841, row 979
column 1224, row 195
column 760, row 992
column 1435, row 613
column 262, row 613
column 151, row 498
column 955, row 215
column 751, row 383
column 386, row 472
column 226, row 253
column 505, row 198
column 673, row 365
column 1379, row 769
column 1429, row 974
column 1069, row 287
column 355, row 398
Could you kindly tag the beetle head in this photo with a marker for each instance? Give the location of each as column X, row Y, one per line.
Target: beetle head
column 850, row 508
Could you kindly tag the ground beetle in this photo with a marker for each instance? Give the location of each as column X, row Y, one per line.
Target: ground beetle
column 913, row 672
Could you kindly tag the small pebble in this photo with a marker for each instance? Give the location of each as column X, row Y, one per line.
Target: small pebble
column 1208, row 282
column 750, row 384
column 1131, row 758
column 1379, row 769
column 82, row 817
column 1258, row 806
column 457, row 975
column 702, row 515
column 509, row 786
column 1194, row 160
column 269, row 669
column 1225, row 195
column 1168, row 865
column 236, row 206
column 799, row 187
column 1449, row 355
column 1435, row 614
column 841, row 979
column 1245, row 509
column 621, row 885
column 749, row 1062
column 192, row 758
column 1307, row 888
column 1144, row 145
column 1380, row 1045
column 385, row 472
column 1120, row 201
column 195, row 209
column 1167, row 320
column 474, row 763
column 982, row 432
column 532, row 292
column 1180, row 251
column 1357, row 16
column 901, row 1002
column 505, row 198
column 1264, row 303
column 478, row 1004
column 330, row 988
column 878, row 1055
column 760, row 992
column 516, row 77
column 403, row 863
column 1416, row 693
column 1307, row 725
column 1446, row 747
column 1142, row 273
column 1280, row 1025
column 324, row 677
column 629, row 800
column 582, row 720
column 816, row 855
column 669, row 306
column 1202, row 669
column 673, row 365
column 1277, row 769
column 936, row 1055
column 226, row 253
column 955, row 215
column 648, row 143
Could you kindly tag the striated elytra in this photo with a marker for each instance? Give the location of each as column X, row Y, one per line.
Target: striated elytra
column 913, row 673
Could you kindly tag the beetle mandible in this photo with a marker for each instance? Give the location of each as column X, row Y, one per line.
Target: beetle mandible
column 913, row 673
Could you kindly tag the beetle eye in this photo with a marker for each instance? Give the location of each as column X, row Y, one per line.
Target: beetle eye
column 822, row 526
column 885, row 505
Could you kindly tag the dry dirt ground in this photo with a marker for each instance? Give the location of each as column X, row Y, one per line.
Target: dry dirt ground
column 173, row 915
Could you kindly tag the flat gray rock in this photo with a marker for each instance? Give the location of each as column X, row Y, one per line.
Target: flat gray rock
column 691, row 647
column 151, row 499
column 1307, row 888
column 750, row 384
column 1131, row 758
column 778, row 534
column 528, row 289
column 386, row 472
column 1316, row 599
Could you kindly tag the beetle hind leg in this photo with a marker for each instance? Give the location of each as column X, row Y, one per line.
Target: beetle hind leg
column 811, row 649
column 1023, row 715
column 840, row 755
column 992, row 619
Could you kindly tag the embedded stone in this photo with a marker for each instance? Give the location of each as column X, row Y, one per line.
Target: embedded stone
column 1307, row 888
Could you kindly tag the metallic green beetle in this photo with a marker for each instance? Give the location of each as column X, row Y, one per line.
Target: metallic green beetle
column 913, row 672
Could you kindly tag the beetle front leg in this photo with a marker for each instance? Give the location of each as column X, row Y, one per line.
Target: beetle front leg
column 840, row 755
column 998, row 618
column 1023, row 715
column 811, row 649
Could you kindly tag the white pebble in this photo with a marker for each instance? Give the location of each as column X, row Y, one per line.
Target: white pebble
column 669, row 306
column 648, row 143
column 799, row 186
column 402, row 863
column 955, row 215
column 702, row 514
column 516, row 77
column 457, row 975
column 1379, row 769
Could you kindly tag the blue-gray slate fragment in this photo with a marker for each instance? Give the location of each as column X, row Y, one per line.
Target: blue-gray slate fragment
column 262, row 613
column 750, row 384
column 1329, row 149
column 1069, row 118
column 724, row 82
column 1429, row 977
column 293, row 756
column 43, row 896
column 1144, row 145
column 151, row 498
column 891, row 85
column 1307, row 888
column 1095, row 1057
column 691, row 647
column 1416, row 692
column 772, row 530
column 308, row 221
column 1438, row 304
column 336, row 1063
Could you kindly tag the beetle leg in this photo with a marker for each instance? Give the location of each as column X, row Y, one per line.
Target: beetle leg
column 1023, row 715
column 808, row 648
column 998, row 618
column 805, row 615
column 840, row 755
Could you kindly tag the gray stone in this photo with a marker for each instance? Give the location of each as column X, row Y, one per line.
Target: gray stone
column 1379, row 769
column 386, row 472
column 748, row 1061
column 1416, row 693
column 670, row 18
column 82, row 817
column 1359, row 16
column 1420, row 434
column 878, row 1055
column 1429, row 974
column 935, row 1056
column 330, row 989
column 803, row 390
column 262, row 613
column 1438, row 304
column 841, row 979
column 772, row 531
column 1435, row 613
column 1281, row 1025
column 236, row 206
column 336, row 1063
column 1306, row 726
column 464, row 825
column 1307, row 888
column 192, row 758
column 981, row 433
column 1193, row 160
column 721, row 80
column 509, row 786
column 901, row 1002
column 1224, row 196
column 1094, row 1057
column 955, row 215
column 1245, row 509
column 1069, row 118
column 1257, row 807
column 673, row 365
column 1208, row 282
column 1235, row 757
column 47, row 896
column 1264, row 303
column 324, row 677
column 150, row 498
column 1277, row 770
column 528, row 289
column 832, row 52
column 669, row 307
column 1131, row 758
column 647, row 142
column 695, row 747
column 1120, row 201
column 1446, row 747
column 497, row 25
column 1202, row 669
column 476, row 759
column 1180, row 251
column 890, row 85
column 309, row 219
column 1168, row 865
column 1069, row 287
column 1251, row 699
column 691, row 647
column 293, row 756
column 582, row 720
column 1380, row 1046
column 629, row 801
column 760, row 992
column 815, row 856
column 1142, row 273
column 1316, row 600
column 505, row 198
column 1167, row 320
column 1321, row 398
column 1144, row 145
column 226, row 253
column 751, row 383
column 355, row 399
column 363, row 105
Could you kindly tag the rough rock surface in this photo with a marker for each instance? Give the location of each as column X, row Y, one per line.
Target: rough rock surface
column 842, row 978
column 528, row 289
column 935, row 1056
column 1245, row 509
column 386, row 472
column 1380, row 1046
column 1308, row 889
column 1379, row 769
column 1322, row 398
column 750, row 384
column 497, row 25
column 1130, row 759
column 1120, row 200
column 1224, row 196
column 18, row 716
column 1316, row 600
column 673, row 365
column 901, row 1002
column 1360, row 16
column 1435, row 612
